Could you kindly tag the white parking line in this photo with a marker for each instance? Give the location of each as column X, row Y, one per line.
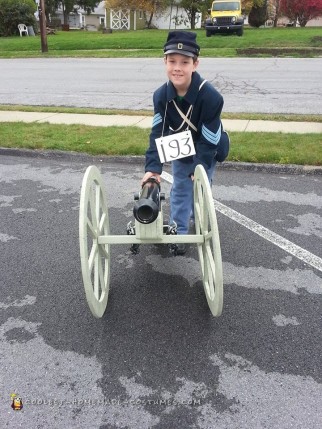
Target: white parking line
column 279, row 241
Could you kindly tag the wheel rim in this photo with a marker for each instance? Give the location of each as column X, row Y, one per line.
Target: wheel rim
column 209, row 251
column 95, row 257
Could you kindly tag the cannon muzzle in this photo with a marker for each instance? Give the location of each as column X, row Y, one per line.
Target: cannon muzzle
column 148, row 202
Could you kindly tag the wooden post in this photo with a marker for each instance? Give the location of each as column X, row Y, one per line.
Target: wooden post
column 42, row 24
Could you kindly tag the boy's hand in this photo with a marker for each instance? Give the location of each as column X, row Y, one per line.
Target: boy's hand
column 148, row 176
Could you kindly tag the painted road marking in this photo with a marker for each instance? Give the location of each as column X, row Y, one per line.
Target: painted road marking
column 279, row 241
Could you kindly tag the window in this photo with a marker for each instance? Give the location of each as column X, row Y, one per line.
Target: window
column 219, row 6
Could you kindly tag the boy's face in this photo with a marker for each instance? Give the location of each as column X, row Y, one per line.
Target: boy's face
column 179, row 70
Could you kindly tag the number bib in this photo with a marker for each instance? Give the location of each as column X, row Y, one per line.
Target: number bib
column 175, row 146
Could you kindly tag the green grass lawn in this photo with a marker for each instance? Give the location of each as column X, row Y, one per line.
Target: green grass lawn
column 148, row 43
column 277, row 148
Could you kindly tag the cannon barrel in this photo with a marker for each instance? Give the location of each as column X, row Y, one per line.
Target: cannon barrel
column 147, row 205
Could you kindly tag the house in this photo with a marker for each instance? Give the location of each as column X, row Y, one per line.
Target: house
column 101, row 17
column 125, row 19
column 174, row 17
column 79, row 19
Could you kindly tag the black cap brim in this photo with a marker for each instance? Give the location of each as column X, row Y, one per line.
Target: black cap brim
column 181, row 52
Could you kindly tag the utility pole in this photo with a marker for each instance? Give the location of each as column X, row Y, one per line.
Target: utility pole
column 42, row 24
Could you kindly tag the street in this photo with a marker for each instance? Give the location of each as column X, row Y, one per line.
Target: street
column 158, row 359
column 260, row 85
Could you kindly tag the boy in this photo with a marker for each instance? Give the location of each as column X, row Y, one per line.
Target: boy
column 186, row 102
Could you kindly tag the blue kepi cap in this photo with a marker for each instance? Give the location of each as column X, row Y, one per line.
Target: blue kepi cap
column 182, row 42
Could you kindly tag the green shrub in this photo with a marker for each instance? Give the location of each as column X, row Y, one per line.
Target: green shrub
column 258, row 15
column 14, row 12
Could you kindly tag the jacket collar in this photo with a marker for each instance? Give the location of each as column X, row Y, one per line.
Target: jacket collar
column 192, row 93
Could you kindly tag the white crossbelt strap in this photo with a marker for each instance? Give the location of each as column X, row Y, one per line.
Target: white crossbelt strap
column 185, row 117
column 202, row 84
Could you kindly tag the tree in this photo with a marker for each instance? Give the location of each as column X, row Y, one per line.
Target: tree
column 51, row 7
column 301, row 11
column 273, row 8
column 274, row 11
column 192, row 8
column 247, row 5
column 14, row 12
column 258, row 14
column 69, row 6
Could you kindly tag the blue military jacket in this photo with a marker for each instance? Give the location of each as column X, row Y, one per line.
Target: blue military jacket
column 206, row 104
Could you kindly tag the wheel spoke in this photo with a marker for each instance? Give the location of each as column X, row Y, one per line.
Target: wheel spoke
column 206, row 275
column 102, row 222
column 208, row 236
column 211, row 271
column 91, row 229
column 103, row 251
column 92, row 255
column 205, row 218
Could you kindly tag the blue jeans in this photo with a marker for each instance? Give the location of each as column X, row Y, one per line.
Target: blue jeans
column 181, row 195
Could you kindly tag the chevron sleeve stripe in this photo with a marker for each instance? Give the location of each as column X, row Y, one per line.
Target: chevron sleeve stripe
column 210, row 136
column 156, row 119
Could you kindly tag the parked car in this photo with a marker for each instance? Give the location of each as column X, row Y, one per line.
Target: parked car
column 225, row 17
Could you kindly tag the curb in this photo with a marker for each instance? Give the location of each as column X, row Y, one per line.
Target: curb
column 227, row 165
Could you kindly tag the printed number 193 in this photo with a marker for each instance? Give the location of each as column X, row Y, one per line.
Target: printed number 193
column 175, row 146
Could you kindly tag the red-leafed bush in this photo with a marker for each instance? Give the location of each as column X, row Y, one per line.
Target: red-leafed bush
column 301, row 11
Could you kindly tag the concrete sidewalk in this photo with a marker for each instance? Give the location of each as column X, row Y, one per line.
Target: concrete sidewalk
column 146, row 121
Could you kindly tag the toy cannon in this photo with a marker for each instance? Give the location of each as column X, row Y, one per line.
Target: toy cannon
column 148, row 202
column 96, row 241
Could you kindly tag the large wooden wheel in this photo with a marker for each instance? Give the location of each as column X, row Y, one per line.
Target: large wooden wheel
column 209, row 251
column 95, row 257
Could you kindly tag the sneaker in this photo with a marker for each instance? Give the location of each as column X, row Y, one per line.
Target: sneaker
column 181, row 249
column 177, row 249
